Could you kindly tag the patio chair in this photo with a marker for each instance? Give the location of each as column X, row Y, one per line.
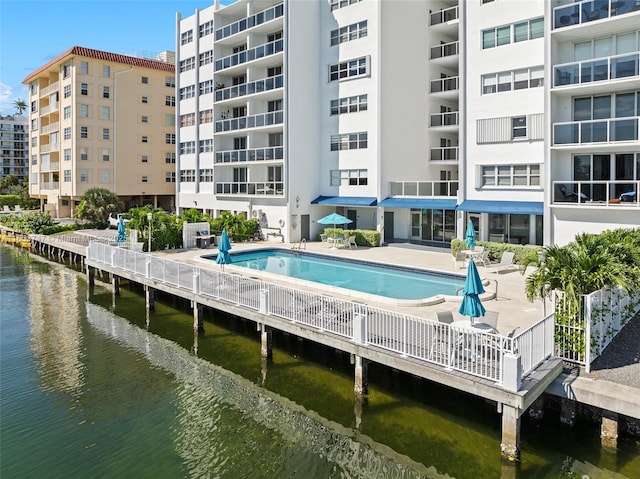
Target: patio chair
column 459, row 260
column 483, row 259
column 6, row 208
column 444, row 317
column 323, row 238
column 491, row 318
column 506, row 263
column 352, row 241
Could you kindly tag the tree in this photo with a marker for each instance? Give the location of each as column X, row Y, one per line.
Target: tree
column 96, row 205
column 7, row 182
column 20, row 106
column 166, row 229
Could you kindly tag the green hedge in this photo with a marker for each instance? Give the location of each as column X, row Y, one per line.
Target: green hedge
column 523, row 254
column 369, row 238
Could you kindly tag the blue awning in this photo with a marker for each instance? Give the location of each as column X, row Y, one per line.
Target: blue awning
column 511, row 207
column 345, row 201
column 421, row 203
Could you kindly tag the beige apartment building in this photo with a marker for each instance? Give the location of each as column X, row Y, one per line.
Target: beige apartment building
column 99, row 119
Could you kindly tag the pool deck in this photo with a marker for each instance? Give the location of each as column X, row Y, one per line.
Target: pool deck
column 515, row 310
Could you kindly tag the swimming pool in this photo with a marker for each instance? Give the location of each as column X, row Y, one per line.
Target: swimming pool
column 395, row 282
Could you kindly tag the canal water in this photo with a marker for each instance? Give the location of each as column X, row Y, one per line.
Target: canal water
column 98, row 388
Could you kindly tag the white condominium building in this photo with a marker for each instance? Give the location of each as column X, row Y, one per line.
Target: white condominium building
column 14, row 141
column 409, row 117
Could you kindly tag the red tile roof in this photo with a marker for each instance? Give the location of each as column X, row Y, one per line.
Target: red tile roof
column 106, row 56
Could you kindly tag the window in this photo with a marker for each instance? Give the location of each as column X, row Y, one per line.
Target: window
column 170, row 177
column 186, row 37
column 206, row 116
column 187, row 147
column 240, row 48
column 355, row 68
column 34, row 88
column 144, row 139
column 67, row 154
column 84, row 154
column 513, row 80
column 170, row 100
column 170, row 82
column 240, row 143
column 187, row 64
column 144, row 159
column 106, row 113
column 84, row 111
column 169, row 138
column 84, row 68
column 274, row 71
column 106, row 71
column 350, row 104
column 349, row 141
column 66, row 71
column 66, row 133
column 276, row 139
column 34, row 124
column 511, row 175
column 67, row 91
column 188, row 176
column 144, row 119
column 84, row 176
column 34, row 141
column 348, row 33
column 34, row 159
column 495, row 37
column 498, row 36
column 335, row 4
column 170, row 157
column 66, row 174
column 106, row 134
column 206, row 87
column 84, row 89
column 348, row 177
column 506, row 129
column 106, row 154
column 206, row 146
column 187, row 92
column 67, row 112
column 106, row 92
column 206, row 175
column 144, row 99
column 274, row 105
column 519, row 125
column 528, row 30
column 144, row 80
column 144, row 179
column 106, row 176
column 206, row 28
column 206, row 57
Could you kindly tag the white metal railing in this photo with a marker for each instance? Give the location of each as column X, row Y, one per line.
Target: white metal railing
column 597, row 69
column 259, row 18
column 52, row 166
column 579, row 13
column 447, row 188
column 606, row 130
column 253, row 154
column 475, row 353
column 444, row 84
column 614, row 193
column 253, row 121
column 258, row 86
column 268, row 188
column 444, row 50
column 444, row 153
column 251, row 54
column 444, row 16
column 583, row 331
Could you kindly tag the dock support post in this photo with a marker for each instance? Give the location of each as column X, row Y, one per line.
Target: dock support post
column 197, row 316
column 115, row 281
column 91, row 276
column 609, row 430
column 266, row 337
column 536, row 410
column 361, row 376
column 510, row 445
column 567, row 412
column 150, row 297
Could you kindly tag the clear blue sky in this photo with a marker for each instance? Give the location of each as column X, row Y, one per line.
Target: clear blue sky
column 33, row 32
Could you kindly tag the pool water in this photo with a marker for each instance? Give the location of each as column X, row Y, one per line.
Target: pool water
column 399, row 283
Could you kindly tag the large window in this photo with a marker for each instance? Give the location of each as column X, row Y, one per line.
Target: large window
column 187, row 64
column 350, row 104
column 206, row 175
column 335, row 4
column 205, row 87
column 188, row 176
column 349, row 141
column 513, row 80
column 206, row 28
column 518, row 32
column 206, row 146
column 186, row 37
column 348, row 33
column 187, row 147
column 353, row 177
column 358, row 67
column 187, row 92
column 511, row 175
column 206, row 116
column 188, row 120
column 206, row 57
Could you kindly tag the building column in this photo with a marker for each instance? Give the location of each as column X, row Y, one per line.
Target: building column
column 609, row 429
column 361, row 376
column 510, row 445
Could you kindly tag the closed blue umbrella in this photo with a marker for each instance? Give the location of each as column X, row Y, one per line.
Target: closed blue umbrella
column 121, row 237
column 470, row 237
column 471, row 305
column 223, row 249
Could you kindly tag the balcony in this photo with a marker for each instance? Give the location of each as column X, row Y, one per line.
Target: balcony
column 614, row 193
column 49, row 89
column 255, row 154
column 253, row 121
column 250, row 22
column 45, row 110
column 580, row 13
column 442, row 121
column 444, row 153
column 49, row 147
column 239, row 58
column 448, row 188
column 50, row 185
column 445, row 87
column 266, row 84
column 595, row 131
column 444, row 16
column 600, row 69
column 268, row 188
column 55, row 126
column 446, row 53
column 49, row 167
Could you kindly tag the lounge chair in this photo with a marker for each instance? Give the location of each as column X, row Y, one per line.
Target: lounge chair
column 445, row 317
column 483, row 259
column 506, row 263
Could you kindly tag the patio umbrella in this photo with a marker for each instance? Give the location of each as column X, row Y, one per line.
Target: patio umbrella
column 223, row 249
column 470, row 237
column 334, row 219
column 471, row 305
column 121, row 237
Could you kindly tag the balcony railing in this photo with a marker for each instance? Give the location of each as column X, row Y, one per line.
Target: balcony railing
column 444, row 84
column 249, row 22
column 49, row 147
column 444, row 119
column 255, row 154
column 254, row 121
column 258, row 86
column 50, row 88
column 268, row 188
column 46, row 167
column 612, row 192
column 591, row 10
column 445, row 153
column 596, row 131
column 45, row 110
column 444, row 16
column 239, row 58
column 55, row 126
column 447, row 188
column 444, row 50
column 50, row 185
column 599, row 69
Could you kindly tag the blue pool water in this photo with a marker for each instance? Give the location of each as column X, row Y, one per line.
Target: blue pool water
column 389, row 281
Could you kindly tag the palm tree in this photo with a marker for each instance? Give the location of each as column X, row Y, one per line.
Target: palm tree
column 96, row 205
column 20, row 106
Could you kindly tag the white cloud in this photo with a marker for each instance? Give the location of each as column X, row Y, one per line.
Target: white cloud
column 8, row 95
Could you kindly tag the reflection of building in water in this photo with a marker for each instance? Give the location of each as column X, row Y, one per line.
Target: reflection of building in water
column 55, row 328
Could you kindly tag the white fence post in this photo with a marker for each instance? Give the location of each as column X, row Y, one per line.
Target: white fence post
column 196, row 281
column 264, row 301
column 148, row 267
column 511, row 372
column 359, row 323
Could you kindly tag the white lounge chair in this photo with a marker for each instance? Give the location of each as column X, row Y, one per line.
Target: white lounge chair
column 444, row 317
column 490, row 318
column 460, row 260
column 506, row 263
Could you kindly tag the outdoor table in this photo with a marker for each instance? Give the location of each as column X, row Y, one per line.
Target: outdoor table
column 471, row 253
column 466, row 334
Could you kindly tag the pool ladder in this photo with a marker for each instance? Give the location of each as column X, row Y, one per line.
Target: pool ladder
column 300, row 245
